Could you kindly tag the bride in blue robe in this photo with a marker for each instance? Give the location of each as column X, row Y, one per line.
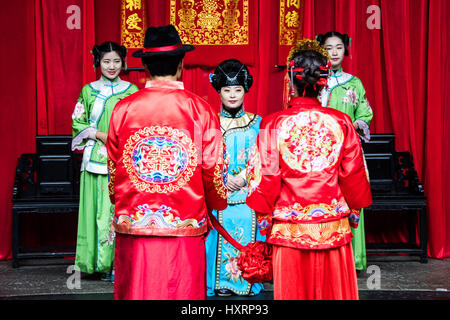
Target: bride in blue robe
column 240, row 129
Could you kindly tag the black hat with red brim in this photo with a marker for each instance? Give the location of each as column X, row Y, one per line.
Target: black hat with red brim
column 163, row 40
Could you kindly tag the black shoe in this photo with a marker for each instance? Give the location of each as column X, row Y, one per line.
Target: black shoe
column 224, row 292
column 107, row 276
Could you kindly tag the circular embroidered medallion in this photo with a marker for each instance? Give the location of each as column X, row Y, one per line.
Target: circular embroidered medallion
column 159, row 159
column 310, row 141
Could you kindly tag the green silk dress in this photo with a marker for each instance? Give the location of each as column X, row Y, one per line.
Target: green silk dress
column 95, row 239
column 346, row 93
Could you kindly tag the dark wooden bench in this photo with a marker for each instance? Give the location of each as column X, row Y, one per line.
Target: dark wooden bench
column 396, row 189
column 46, row 182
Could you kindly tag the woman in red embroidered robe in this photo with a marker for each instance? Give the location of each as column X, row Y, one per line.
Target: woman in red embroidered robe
column 307, row 181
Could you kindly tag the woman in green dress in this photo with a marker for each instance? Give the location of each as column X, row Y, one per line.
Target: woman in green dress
column 90, row 122
column 346, row 93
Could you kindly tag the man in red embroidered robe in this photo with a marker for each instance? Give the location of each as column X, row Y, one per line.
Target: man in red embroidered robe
column 165, row 163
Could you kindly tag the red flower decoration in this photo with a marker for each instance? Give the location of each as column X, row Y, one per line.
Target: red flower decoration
column 255, row 262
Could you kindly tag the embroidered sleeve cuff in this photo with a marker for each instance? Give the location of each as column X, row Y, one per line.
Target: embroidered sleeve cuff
column 92, row 134
column 78, row 141
column 353, row 218
column 111, row 179
column 363, row 130
column 264, row 223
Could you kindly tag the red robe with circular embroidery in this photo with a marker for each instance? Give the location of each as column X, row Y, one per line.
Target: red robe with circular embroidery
column 307, row 178
column 165, row 162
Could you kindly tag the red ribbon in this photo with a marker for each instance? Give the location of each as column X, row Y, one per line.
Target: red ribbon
column 255, row 260
column 162, row 49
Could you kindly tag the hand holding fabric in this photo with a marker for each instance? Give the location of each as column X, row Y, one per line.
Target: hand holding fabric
column 102, row 136
column 235, row 183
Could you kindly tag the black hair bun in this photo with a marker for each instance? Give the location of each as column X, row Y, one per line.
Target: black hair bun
column 346, row 40
column 123, row 51
column 312, row 74
column 231, row 72
column 97, row 55
column 321, row 39
column 306, row 81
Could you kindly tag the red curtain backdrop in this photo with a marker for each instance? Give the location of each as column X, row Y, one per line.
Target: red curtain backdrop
column 403, row 66
column 59, row 62
column 18, row 102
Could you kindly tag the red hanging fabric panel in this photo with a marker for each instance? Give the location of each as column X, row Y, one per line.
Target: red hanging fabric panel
column 133, row 24
column 292, row 17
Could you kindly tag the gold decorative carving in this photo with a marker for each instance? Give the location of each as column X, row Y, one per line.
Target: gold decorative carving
column 211, row 22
